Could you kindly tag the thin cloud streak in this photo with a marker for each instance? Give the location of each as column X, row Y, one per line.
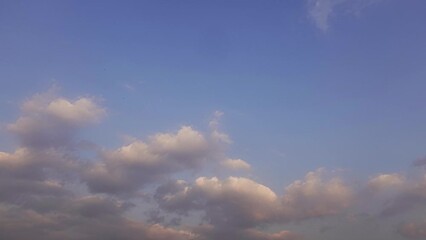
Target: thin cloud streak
column 321, row 11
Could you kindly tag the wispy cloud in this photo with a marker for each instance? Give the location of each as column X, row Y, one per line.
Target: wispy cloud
column 321, row 11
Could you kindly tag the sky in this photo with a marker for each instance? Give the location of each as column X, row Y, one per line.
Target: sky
column 208, row 120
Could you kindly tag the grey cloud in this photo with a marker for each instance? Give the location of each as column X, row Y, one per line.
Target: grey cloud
column 130, row 167
column 412, row 195
column 413, row 230
column 87, row 218
column 209, row 232
column 236, row 204
column 420, row 162
column 28, row 173
column 37, row 201
column 50, row 121
column 316, row 196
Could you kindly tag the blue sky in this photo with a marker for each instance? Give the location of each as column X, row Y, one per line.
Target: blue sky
column 336, row 85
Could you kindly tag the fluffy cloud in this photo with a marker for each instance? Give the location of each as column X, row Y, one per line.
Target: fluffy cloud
column 50, row 121
column 316, row 196
column 41, row 196
column 232, row 202
column 408, row 197
column 386, row 181
column 237, row 203
column 236, row 164
column 28, row 173
column 130, row 167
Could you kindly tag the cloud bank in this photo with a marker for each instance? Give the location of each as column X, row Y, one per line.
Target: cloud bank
column 48, row 190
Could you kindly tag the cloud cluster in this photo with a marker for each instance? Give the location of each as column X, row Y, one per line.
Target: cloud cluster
column 48, row 192
column 50, row 121
column 236, row 204
column 35, row 200
column 83, row 218
column 45, row 158
column 132, row 166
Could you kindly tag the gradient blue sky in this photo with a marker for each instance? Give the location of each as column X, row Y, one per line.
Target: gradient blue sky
column 302, row 84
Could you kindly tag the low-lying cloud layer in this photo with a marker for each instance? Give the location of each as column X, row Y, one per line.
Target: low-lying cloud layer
column 49, row 191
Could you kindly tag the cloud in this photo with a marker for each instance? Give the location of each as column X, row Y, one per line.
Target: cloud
column 209, row 232
column 84, row 218
column 386, row 181
column 130, row 167
column 316, row 196
column 413, row 230
column 233, row 202
column 420, row 162
column 50, row 121
column 320, row 11
column 237, row 203
column 254, row 234
column 236, row 164
column 216, row 134
column 412, row 195
column 47, row 190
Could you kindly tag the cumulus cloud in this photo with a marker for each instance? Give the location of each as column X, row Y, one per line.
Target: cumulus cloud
column 410, row 196
column 236, row 164
column 43, row 182
column 84, row 218
column 50, row 121
column 138, row 163
column 231, row 202
column 237, row 203
column 316, row 196
column 320, row 11
column 386, row 181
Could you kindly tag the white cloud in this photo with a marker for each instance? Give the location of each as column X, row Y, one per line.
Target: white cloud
column 236, row 202
column 239, row 203
column 386, row 181
column 236, row 164
column 316, row 196
column 79, row 112
column 50, row 121
column 217, row 135
column 38, row 182
column 132, row 166
column 320, row 11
